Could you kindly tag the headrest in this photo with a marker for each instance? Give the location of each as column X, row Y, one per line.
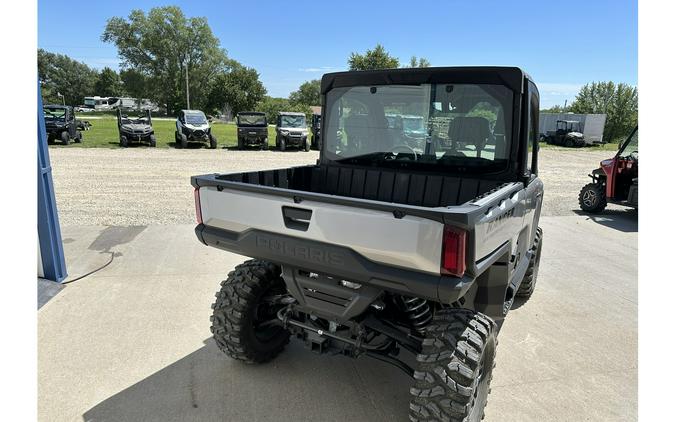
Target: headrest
column 469, row 130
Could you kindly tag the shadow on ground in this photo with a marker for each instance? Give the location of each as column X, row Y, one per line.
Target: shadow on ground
column 625, row 220
column 299, row 385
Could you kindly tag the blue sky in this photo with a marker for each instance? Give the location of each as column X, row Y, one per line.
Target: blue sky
column 562, row 45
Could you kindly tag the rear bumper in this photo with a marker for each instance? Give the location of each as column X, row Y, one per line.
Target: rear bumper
column 333, row 260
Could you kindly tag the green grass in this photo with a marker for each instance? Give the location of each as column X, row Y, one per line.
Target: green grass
column 103, row 134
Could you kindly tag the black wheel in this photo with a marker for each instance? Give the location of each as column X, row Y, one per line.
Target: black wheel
column 124, row 142
column 265, row 145
column 153, row 141
column 592, row 198
column 78, row 137
column 183, row 141
column 176, row 138
column 240, row 143
column 569, row 142
column 244, row 308
column 308, row 146
column 281, row 143
column 213, row 142
column 530, row 279
column 454, row 369
column 65, row 138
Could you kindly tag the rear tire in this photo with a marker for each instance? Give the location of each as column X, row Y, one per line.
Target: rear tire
column 452, row 380
column 124, row 142
column 530, row 279
column 78, row 138
column 592, row 198
column 65, row 138
column 237, row 312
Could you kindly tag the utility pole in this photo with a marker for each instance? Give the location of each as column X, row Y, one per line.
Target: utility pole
column 187, row 85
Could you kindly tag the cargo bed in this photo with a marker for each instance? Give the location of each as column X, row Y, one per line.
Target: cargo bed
column 374, row 219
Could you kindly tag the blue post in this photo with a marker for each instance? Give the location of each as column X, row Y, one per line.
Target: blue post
column 49, row 231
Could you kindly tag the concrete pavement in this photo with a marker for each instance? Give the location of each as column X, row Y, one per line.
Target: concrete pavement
column 132, row 342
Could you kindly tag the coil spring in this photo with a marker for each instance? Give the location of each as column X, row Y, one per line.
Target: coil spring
column 417, row 310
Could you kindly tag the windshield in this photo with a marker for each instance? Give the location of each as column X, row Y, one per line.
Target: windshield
column 251, row 120
column 195, row 118
column 134, row 121
column 292, row 121
column 55, row 114
column 630, row 147
column 463, row 125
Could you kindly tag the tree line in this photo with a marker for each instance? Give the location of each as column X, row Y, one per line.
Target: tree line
column 165, row 54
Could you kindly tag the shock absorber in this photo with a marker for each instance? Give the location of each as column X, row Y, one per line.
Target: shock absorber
column 417, row 310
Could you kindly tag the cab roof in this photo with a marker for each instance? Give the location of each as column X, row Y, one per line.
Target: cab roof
column 512, row 77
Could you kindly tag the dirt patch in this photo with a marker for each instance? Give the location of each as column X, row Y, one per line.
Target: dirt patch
column 137, row 187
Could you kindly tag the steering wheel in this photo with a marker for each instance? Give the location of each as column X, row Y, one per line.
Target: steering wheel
column 405, row 149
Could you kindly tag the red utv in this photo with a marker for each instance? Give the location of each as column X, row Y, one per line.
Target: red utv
column 616, row 180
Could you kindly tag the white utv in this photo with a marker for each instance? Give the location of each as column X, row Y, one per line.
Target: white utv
column 193, row 126
column 412, row 257
column 292, row 131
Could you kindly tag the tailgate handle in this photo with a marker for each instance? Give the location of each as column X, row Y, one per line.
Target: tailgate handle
column 296, row 218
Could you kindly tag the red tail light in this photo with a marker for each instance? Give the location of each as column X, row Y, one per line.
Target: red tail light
column 198, row 207
column 454, row 251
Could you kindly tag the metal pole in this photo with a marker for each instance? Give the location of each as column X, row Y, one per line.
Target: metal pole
column 187, row 86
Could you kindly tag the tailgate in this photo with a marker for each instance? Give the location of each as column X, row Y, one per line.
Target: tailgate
column 410, row 242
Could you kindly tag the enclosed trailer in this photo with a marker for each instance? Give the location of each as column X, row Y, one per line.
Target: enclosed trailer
column 592, row 126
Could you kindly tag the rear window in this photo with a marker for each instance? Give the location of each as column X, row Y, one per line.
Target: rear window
column 450, row 125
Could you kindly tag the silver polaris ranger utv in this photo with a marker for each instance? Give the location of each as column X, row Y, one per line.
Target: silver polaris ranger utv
column 412, row 255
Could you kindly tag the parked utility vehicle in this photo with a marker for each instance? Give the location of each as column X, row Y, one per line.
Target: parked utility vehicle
column 192, row 126
column 615, row 181
column 252, row 130
column 61, row 124
column 567, row 133
column 292, row 131
column 378, row 249
column 135, row 130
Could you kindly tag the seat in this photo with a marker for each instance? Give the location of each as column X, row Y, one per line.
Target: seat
column 359, row 134
column 470, row 131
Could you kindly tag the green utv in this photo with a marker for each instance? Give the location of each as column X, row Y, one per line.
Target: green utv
column 411, row 254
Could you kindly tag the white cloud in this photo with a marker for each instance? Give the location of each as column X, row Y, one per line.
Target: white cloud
column 553, row 93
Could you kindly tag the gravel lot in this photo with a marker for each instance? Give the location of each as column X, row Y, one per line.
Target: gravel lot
column 141, row 186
